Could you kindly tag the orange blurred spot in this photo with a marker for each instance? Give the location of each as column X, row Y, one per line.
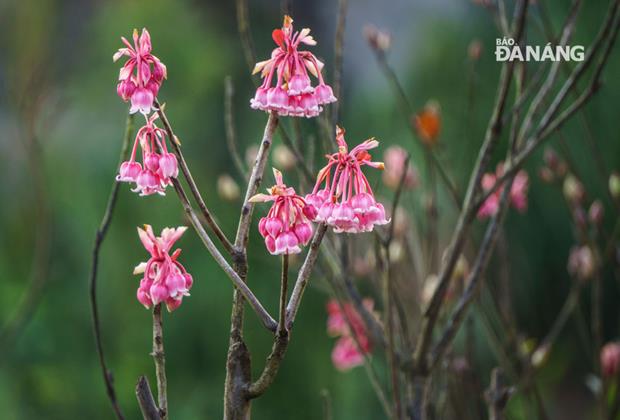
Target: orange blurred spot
column 428, row 123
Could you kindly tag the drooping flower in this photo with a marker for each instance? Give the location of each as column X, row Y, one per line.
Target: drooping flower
column 395, row 158
column 164, row 278
column 159, row 165
column 293, row 93
column 518, row 192
column 287, row 227
column 345, row 199
column 142, row 74
column 349, row 349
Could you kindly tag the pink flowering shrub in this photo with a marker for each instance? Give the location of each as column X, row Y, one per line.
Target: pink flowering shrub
column 293, row 93
column 347, row 353
column 342, row 194
column 164, row 278
column 287, row 227
column 142, row 74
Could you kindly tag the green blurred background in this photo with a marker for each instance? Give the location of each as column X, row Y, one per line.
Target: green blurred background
column 57, row 87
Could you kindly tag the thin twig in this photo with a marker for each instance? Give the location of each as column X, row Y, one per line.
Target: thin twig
column 338, row 61
column 99, row 238
column 304, row 275
column 283, row 294
column 244, row 33
column 190, row 181
column 160, row 361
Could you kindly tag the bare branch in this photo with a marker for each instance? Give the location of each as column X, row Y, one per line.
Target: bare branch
column 231, row 135
column 190, row 181
column 160, row 362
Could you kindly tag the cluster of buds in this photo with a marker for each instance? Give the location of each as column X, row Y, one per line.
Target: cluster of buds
column 395, row 158
column 157, row 169
column 346, row 201
column 287, row 225
column 142, row 74
column 293, row 93
column 350, row 327
column 164, row 278
column 518, row 192
column 554, row 168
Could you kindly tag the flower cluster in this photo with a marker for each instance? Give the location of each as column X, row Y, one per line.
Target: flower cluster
column 518, row 192
column 165, row 279
column 142, row 74
column 348, row 353
column 293, row 93
column 157, row 169
column 287, row 225
column 346, row 202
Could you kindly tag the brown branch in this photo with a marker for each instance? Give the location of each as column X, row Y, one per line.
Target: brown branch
column 283, row 295
column 190, row 181
column 99, row 238
column 145, row 400
column 338, row 61
column 304, row 275
column 159, row 357
column 266, row 319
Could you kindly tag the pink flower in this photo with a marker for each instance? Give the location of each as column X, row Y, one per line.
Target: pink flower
column 287, row 227
column 610, row 359
column 142, row 74
column 158, row 168
column 518, row 192
column 347, row 202
column 347, row 353
column 293, row 93
column 164, row 278
column 395, row 158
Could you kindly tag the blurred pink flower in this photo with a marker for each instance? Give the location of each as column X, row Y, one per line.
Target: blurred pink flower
column 165, row 279
column 347, row 202
column 293, row 93
column 395, row 158
column 158, row 168
column 610, row 359
column 141, row 86
column 287, row 226
column 518, row 192
column 346, row 353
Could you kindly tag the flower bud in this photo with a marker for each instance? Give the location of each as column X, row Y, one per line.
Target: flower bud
column 546, row 174
column 428, row 123
column 581, row 263
column 377, row 39
column 474, row 50
column 596, row 212
column 573, row 189
column 610, row 359
column 227, row 188
column 614, row 185
column 540, row 356
column 551, row 159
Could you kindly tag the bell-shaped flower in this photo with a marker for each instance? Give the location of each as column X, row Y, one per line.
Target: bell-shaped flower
column 142, row 74
column 164, row 279
column 287, row 227
column 290, row 69
column 158, row 165
column 342, row 194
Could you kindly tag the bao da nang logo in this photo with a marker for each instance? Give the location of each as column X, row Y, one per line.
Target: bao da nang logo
column 506, row 50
